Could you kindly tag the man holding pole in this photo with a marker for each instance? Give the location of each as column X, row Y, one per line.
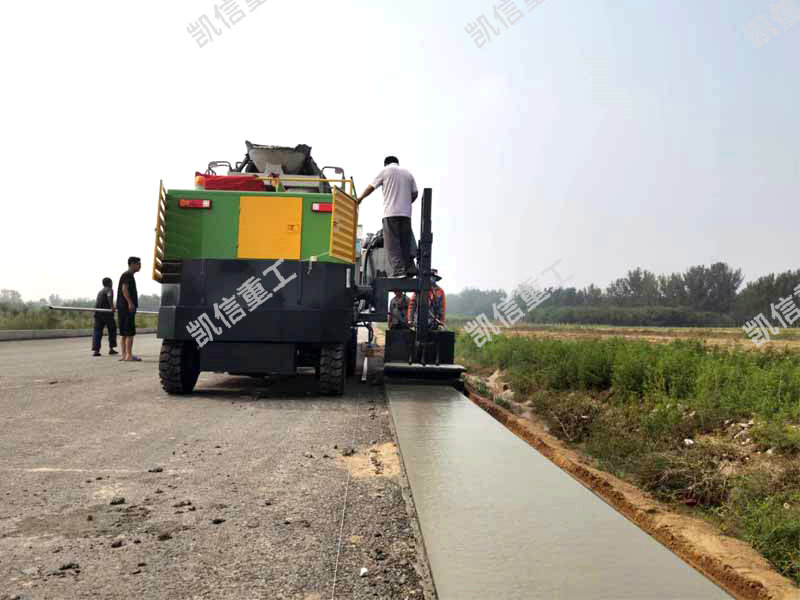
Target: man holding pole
column 104, row 320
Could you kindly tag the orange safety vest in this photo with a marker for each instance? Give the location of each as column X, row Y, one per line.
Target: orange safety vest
column 437, row 301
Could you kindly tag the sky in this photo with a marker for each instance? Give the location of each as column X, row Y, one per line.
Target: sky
column 606, row 134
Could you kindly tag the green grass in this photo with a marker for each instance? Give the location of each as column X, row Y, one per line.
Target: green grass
column 43, row 318
column 765, row 512
column 631, row 404
column 778, row 436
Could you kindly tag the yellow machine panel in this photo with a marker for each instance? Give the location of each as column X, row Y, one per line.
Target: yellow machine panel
column 270, row 227
column 344, row 226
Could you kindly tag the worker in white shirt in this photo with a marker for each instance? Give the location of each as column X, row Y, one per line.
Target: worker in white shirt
column 399, row 192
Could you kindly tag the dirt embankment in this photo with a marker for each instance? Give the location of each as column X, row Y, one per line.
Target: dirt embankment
column 732, row 564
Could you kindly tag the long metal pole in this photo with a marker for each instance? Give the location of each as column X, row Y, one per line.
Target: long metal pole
column 99, row 310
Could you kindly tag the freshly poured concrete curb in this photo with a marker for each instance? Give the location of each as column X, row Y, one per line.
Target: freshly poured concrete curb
column 49, row 334
column 501, row 521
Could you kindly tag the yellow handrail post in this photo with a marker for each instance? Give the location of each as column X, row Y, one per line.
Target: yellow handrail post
column 160, row 238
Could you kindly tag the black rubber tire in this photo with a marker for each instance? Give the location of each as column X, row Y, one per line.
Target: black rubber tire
column 352, row 352
column 178, row 366
column 332, row 370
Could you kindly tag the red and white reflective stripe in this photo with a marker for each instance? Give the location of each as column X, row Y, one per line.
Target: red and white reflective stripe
column 322, row 207
column 194, row 203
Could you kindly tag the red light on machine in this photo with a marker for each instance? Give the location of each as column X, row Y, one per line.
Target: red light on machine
column 194, row 203
column 322, row 207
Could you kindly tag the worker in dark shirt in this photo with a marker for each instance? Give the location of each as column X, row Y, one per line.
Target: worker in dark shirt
column 104, row 320
column 127, row 303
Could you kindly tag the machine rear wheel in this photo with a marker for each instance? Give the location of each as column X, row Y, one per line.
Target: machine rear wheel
column 178, row 366
column 332, row 370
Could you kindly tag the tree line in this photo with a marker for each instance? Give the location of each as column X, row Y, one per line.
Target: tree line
column 700, row 296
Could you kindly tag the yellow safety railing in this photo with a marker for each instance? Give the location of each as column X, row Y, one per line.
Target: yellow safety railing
column 333, row 182
column 158, row 251
column 344, row 226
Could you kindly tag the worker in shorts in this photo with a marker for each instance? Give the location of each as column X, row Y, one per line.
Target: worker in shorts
column 398, row 311
column 399, row 192
column 104, row 320
column 127, row 303
column 437, row 305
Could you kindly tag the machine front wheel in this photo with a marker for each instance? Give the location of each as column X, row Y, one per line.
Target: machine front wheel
column 178, row 366
column 332, row 369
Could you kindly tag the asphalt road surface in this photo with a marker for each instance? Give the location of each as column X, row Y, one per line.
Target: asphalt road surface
column 236, row 491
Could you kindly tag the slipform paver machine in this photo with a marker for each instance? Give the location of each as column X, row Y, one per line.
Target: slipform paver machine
column 260, row 275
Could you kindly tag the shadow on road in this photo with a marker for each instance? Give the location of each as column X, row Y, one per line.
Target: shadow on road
column 254, row 389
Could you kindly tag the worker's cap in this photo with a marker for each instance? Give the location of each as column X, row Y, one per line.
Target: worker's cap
column 435, row 275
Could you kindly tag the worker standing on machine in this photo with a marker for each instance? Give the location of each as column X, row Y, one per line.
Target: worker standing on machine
column 399, row 192
column 437, row 301
column 398, row 311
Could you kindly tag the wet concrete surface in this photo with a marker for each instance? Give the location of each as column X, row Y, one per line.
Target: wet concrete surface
column 499, row 520
column 109, row 488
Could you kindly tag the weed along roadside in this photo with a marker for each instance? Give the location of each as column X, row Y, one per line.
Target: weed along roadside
column 15, row 318
column 707, row 434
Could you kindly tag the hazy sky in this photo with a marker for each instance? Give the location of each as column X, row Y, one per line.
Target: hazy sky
column 607, row 134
